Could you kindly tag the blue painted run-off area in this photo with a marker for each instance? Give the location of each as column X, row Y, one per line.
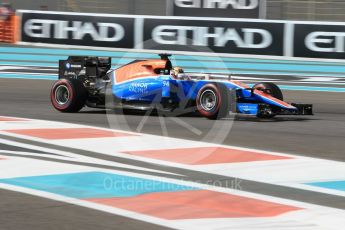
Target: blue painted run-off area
column 94, row 185
column 335, row 185
column 49, row 57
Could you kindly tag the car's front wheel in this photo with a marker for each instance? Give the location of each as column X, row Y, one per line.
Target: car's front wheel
column 68, row 95
column 271, row 89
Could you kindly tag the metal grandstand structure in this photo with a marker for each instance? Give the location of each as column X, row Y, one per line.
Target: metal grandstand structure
column 312, row 10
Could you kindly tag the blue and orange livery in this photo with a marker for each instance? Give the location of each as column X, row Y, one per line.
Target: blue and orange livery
column 156, row 84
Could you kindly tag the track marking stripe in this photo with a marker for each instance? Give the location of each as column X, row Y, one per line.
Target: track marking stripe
column 197, row 204
column 306, row 216
column 206, row 155
column 336, row 185
column 151, row 197
column 94, row 184
column 6, row 119
column 68, row 133
column 295, row 172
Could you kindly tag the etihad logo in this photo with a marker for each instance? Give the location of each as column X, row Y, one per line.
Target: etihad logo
column 218, row 4
column 76, row 30
column 219, row 37
column 321, row 41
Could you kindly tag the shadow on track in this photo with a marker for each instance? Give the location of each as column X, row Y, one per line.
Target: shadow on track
column 275, row 119
column 241, row 118
column 100, row 111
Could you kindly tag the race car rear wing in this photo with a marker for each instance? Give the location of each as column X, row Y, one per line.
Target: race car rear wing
column 84, row 67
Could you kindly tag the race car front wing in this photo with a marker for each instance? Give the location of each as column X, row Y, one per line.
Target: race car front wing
column 301, row 109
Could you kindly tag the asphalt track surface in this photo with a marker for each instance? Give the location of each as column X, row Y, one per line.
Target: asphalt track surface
column 320, row 136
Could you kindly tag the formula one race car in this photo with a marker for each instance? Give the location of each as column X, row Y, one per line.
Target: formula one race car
column 155, row 84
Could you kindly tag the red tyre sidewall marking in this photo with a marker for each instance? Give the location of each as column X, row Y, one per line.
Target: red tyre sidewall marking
column 219, row 100
column 70, row 91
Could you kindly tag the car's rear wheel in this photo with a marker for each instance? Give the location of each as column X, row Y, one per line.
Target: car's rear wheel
column 213, row 101
column 68, row 95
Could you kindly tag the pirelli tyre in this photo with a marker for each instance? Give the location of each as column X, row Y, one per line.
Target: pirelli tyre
column 68, row 96
column 213, row 101
column 271, row 89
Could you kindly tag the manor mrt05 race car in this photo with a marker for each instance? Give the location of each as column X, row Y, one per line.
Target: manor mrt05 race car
column 156, row 84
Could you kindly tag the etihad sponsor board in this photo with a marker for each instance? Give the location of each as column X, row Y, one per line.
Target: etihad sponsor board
column 217, row 8
column 319, row 41
column 78, row 30
column 238, row 37
column 223, row 36
column 217, row 36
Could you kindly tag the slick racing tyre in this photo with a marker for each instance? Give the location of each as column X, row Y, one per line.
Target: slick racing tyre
column 213, row 101
column 270, row 88
column 68, row 96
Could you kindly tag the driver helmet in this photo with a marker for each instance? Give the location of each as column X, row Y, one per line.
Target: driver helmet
column 177, row 70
